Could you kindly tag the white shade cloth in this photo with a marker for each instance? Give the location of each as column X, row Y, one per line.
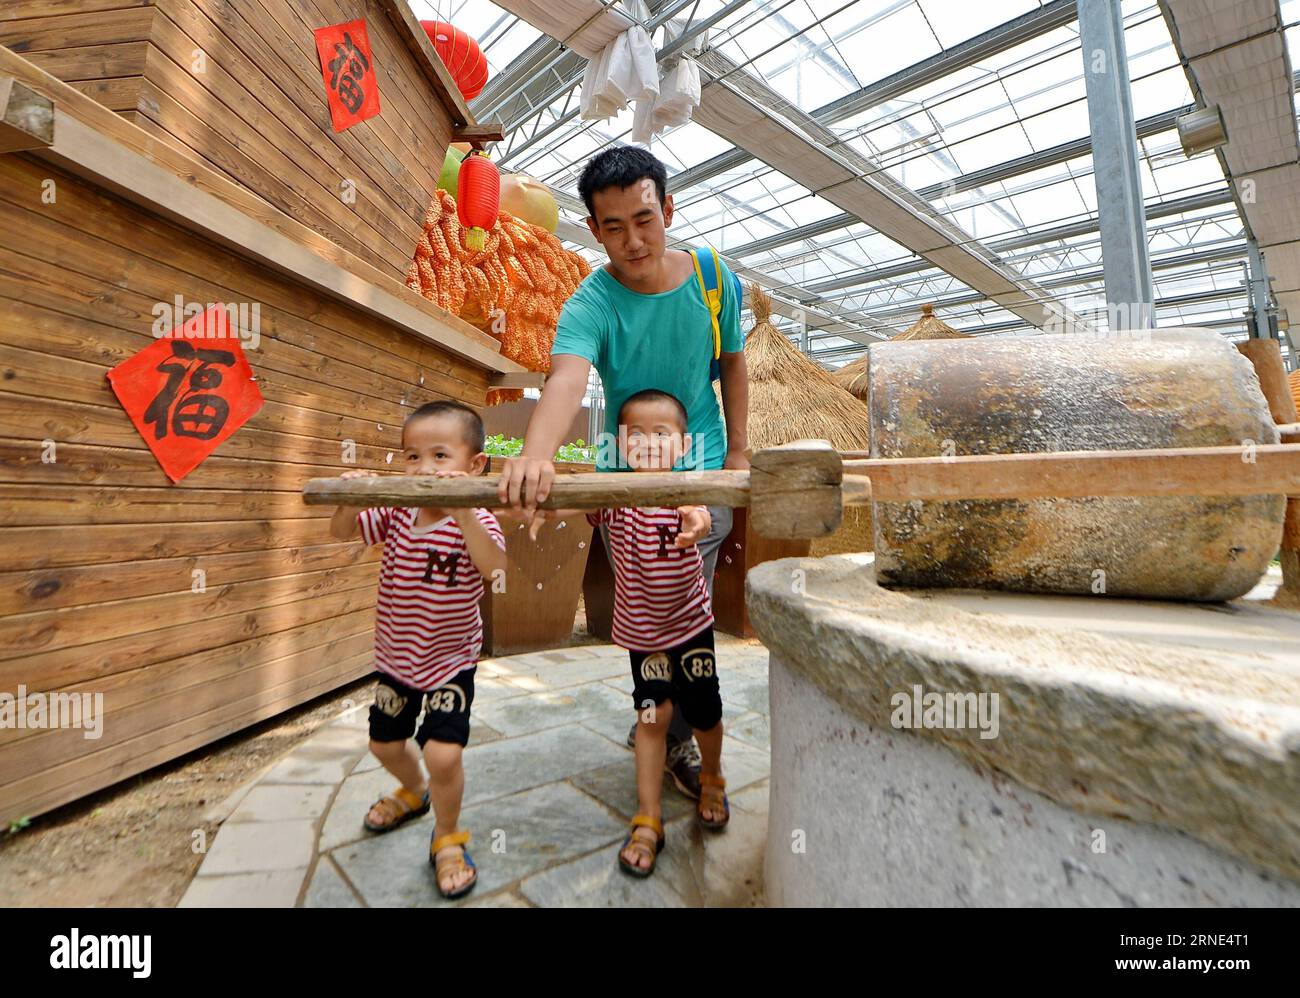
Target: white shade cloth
column 623, row 72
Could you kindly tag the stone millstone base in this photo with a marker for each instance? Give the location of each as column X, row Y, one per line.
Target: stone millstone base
column 1180, row 741
column 888, row 819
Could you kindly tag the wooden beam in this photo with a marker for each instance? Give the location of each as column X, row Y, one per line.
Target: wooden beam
column 26, row 117
column 800, row 489
column 80, row 149
column 1266, row 357
column 479, row 135
column 519, row 379
column 71, row 103
column 792, row 490
column 1264, row 469
column 408, row 26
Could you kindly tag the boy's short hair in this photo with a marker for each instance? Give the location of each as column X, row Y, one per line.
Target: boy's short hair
column 654, row 395
column 621, row 166
column 471, row 423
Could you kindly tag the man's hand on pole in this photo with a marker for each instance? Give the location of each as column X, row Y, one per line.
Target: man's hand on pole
column 736, row 460
column 525, row 481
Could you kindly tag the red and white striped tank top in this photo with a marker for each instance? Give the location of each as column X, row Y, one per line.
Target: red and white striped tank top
column 427, row 621
column 660, row 597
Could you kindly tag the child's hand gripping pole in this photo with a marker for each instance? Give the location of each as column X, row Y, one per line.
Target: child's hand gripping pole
column 696, row 524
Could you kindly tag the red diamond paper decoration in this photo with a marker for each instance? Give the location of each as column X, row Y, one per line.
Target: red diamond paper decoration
column 348, row 69
column 188, row 392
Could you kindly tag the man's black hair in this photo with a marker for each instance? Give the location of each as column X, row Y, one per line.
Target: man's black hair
column 653, row 395
column 471, row 424
column 621, row 166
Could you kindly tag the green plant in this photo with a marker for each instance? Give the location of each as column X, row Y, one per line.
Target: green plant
column 499, row 445
column 17, row 826
column 579, row 450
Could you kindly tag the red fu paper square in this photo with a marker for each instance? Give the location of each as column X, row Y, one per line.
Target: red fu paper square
column 349, row 72
column 188, row 392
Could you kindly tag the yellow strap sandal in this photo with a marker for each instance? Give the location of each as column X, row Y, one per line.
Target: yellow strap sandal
column 713, row 791
column 641, row 847
column 396, row 809
column 453, row 864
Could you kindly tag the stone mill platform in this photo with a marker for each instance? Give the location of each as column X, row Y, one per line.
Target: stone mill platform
column 962, row 748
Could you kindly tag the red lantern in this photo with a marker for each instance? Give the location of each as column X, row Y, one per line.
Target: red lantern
column 478, row 197
column 460, row 54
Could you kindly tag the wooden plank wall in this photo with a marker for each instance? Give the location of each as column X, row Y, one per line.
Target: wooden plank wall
column 543, row 581
column 97, row 549
column 254, row 109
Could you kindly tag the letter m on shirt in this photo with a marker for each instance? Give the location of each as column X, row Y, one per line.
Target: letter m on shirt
column 444, row 563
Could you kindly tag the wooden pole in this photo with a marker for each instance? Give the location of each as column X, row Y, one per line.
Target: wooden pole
column 584, row 490
column 1260, row 469
column 798, row 490
column 1266, row 356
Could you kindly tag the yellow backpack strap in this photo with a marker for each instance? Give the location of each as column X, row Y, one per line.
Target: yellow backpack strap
column 712, row 297
column 717, row 330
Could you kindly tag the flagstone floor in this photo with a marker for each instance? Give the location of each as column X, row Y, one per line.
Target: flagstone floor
column 549, row 790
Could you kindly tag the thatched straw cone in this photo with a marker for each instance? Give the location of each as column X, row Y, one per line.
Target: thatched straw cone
column 793, row 398
column 1294, row 381
column 853, row 377
column 930, row 327
column 790, row 396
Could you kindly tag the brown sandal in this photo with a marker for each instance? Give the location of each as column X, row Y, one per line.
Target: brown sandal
column 641, row 846
column 396, row 809
column 454, row 864
column 713, row 791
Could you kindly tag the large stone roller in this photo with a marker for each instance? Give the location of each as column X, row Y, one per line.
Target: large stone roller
column 1141, row 390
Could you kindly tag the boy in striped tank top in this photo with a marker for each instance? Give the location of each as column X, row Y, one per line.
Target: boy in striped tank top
column 428, row 633
column 664, row 618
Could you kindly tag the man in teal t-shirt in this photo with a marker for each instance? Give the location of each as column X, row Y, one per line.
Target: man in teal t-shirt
column 642, row 321
column 658, row 340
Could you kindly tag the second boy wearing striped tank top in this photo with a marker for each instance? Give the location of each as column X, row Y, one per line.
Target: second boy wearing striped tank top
column 664, row 618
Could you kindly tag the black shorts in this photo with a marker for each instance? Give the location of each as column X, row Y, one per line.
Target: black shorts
column 446, row 710
column 686, row 674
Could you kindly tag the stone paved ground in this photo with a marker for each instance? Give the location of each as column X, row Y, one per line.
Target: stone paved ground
column 549, row 790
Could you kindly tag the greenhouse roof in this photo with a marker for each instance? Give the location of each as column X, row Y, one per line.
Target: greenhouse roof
column 973, row 116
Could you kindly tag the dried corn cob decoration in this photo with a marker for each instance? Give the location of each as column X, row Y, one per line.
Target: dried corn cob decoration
column 522, row 274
